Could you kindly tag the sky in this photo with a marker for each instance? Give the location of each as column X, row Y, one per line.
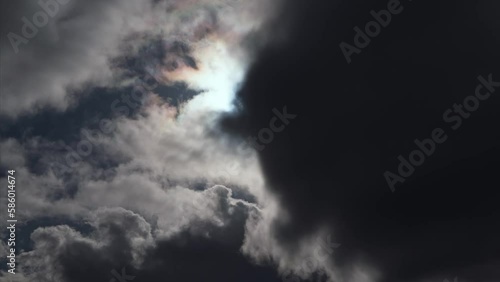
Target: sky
column 235, row 140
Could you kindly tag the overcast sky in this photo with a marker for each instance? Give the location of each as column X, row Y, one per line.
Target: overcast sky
column 235, row 140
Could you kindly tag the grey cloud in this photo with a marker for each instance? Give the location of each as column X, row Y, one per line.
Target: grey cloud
column 75, row 49
column 164, row 180
column 61, row 253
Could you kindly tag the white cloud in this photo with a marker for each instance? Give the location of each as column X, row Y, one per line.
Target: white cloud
column 74, row 50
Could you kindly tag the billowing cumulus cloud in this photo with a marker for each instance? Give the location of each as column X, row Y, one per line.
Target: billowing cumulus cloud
column 118, row 236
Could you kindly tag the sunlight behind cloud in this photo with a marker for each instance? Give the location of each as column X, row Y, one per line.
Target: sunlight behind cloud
column 218, row 76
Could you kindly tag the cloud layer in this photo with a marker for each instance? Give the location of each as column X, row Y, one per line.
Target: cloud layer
column 120, row 120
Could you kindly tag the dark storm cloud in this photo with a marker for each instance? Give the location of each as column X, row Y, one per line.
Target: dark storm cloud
column 121, row 240
column 193, row 258
column 352, row 121
column 355, row 119
column 216, row 257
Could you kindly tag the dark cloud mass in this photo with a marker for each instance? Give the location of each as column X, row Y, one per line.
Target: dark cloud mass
column 215, row 258
column 353, row 120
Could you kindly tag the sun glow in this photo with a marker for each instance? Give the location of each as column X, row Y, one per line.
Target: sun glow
column 218, row 75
